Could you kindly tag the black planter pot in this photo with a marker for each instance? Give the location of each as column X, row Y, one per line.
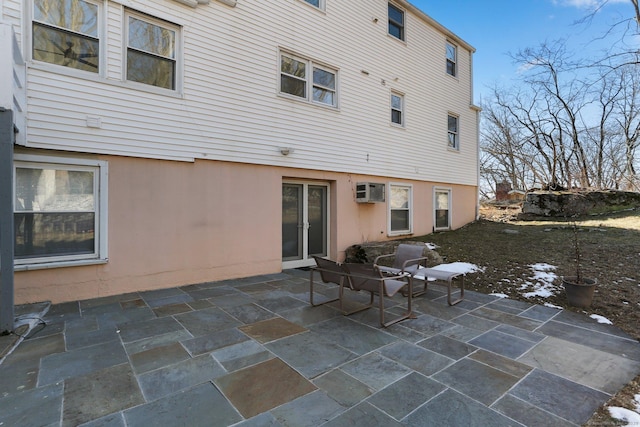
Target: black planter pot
column 579, row 294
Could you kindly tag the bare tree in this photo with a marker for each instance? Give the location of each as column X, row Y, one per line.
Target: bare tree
column 556, row 130
column 628, row 121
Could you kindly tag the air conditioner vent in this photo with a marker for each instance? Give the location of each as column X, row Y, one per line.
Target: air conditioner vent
column 369, row 192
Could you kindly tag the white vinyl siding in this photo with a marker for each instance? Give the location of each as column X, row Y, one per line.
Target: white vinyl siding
column 229, row 107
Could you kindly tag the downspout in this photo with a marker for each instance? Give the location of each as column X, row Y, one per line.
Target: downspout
column 12, row 77
column 6, row 221
column 477, row 111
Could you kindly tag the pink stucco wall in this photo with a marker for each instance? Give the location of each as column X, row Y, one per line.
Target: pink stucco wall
column 174, row 223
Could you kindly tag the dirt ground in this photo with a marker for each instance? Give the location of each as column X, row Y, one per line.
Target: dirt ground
column 506, row 247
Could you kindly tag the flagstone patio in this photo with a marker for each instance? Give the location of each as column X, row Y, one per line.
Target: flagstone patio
column 252, row 352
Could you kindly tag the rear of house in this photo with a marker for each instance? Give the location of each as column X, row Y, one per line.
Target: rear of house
column 172, row 142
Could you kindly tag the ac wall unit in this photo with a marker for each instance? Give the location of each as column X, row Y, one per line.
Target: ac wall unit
column 369, row 192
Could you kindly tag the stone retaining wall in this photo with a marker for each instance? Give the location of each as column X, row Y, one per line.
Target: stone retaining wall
column 367, row 252
column 571, row 203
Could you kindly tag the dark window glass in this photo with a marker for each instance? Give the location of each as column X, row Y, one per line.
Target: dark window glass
column 54, row 234
column 396, row 22
column 54, row 212
column 453, row 131
column 149, row 69
column 65, row 32
column 396, row 116
column 151, row 54
column 324, row 85
column 399, row 220
column 451, row 59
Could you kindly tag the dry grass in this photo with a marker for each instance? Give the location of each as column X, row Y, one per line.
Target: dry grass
column 506, row 248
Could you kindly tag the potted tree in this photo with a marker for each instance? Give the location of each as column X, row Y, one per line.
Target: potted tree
column 579, row 289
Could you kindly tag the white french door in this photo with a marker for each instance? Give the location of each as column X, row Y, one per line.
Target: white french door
column 305, row 223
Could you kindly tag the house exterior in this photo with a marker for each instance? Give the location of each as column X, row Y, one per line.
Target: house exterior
column 170, row 142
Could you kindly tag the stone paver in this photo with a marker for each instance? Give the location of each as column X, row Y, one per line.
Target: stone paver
column 252, row 352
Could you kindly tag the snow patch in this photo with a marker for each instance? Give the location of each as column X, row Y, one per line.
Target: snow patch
column 543, row 276
column 459, row 267
column 432, row 246
column 547, row 304
column 630, row 417
column 601, row 319
column 499, row 295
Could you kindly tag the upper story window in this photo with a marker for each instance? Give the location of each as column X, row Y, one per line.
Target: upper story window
column 400, row 217
column 317, row 3
column 452, row 125
column 397, row 109
column 307, row 80
column 151, row 51
column 60, row 210
column 66, row 32
column 396, row 22
column 452, row 53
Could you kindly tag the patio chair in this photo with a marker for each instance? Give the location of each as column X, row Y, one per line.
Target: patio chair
column 330, row 272
column 334, row 272
column 406, row 259
column 369, row 278
column 359, row 277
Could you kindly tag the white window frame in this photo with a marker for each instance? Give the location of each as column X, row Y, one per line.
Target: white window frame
column 455, row 135
column 401, row 109
column 321, row 4
column 177, row 29
column 401, row 25
column 310, row 65
column 50, row 66
column 101, row 174
column 436, row 191
column 409, row 208
column 450, row 47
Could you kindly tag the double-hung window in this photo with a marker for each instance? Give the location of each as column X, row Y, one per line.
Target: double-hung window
column 308, row 81
column 66, row 32
column 442, row 212
column 151, row 51
column 452, row 53
column 59, row 210
column 452, row 129
column 400, row 217
column 397, row 109
column 317, row 3
column 396, row 22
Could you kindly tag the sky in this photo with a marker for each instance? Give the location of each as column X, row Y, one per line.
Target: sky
column 496, row 28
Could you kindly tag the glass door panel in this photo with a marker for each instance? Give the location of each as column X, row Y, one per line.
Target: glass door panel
column 442, row 210
column 305, row 223
column 317, row 211
column 291, row 221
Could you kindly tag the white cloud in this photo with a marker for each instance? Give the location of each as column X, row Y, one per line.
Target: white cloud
column 585, row 4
